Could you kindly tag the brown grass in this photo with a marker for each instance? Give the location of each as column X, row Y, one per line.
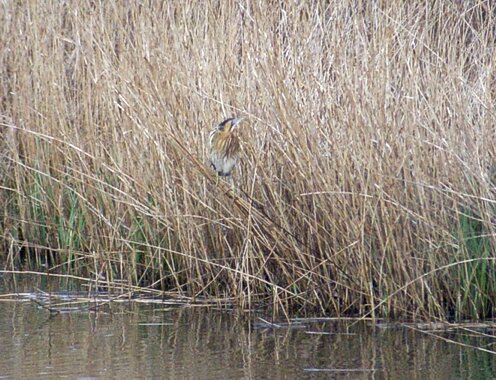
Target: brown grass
column 367, row 180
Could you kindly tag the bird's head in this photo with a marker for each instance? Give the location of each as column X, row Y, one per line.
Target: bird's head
column 229, row 125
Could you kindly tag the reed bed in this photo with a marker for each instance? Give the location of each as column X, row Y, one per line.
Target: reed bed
column 367, row 182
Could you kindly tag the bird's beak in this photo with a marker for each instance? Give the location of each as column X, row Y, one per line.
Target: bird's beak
column 236, row 121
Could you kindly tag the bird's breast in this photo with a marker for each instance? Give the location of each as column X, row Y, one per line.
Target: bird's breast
column 226, row 144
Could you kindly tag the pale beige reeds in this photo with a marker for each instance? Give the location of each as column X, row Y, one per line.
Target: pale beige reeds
column 368, row 143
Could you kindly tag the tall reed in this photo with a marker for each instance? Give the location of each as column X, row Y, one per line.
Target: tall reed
column 367, row 181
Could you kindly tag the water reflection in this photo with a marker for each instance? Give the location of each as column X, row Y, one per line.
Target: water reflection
column 143, row 341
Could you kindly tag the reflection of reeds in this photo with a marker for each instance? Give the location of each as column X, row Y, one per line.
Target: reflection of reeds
column 149, row 342
column 367, row 143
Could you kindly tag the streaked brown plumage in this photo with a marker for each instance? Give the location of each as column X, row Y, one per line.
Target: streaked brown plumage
column 224, row 146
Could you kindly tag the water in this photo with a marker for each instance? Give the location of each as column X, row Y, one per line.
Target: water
column 139, row 341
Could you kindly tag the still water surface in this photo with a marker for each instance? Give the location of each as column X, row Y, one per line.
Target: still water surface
column 137, row 341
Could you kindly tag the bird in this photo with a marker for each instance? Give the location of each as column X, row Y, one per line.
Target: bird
column 224, row 146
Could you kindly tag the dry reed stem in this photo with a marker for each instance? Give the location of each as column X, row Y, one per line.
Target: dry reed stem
column 367, row 182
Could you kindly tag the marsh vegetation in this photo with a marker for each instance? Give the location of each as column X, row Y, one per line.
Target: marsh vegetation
column 366, row 185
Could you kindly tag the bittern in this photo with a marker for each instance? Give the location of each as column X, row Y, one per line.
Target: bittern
column 224, row 146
